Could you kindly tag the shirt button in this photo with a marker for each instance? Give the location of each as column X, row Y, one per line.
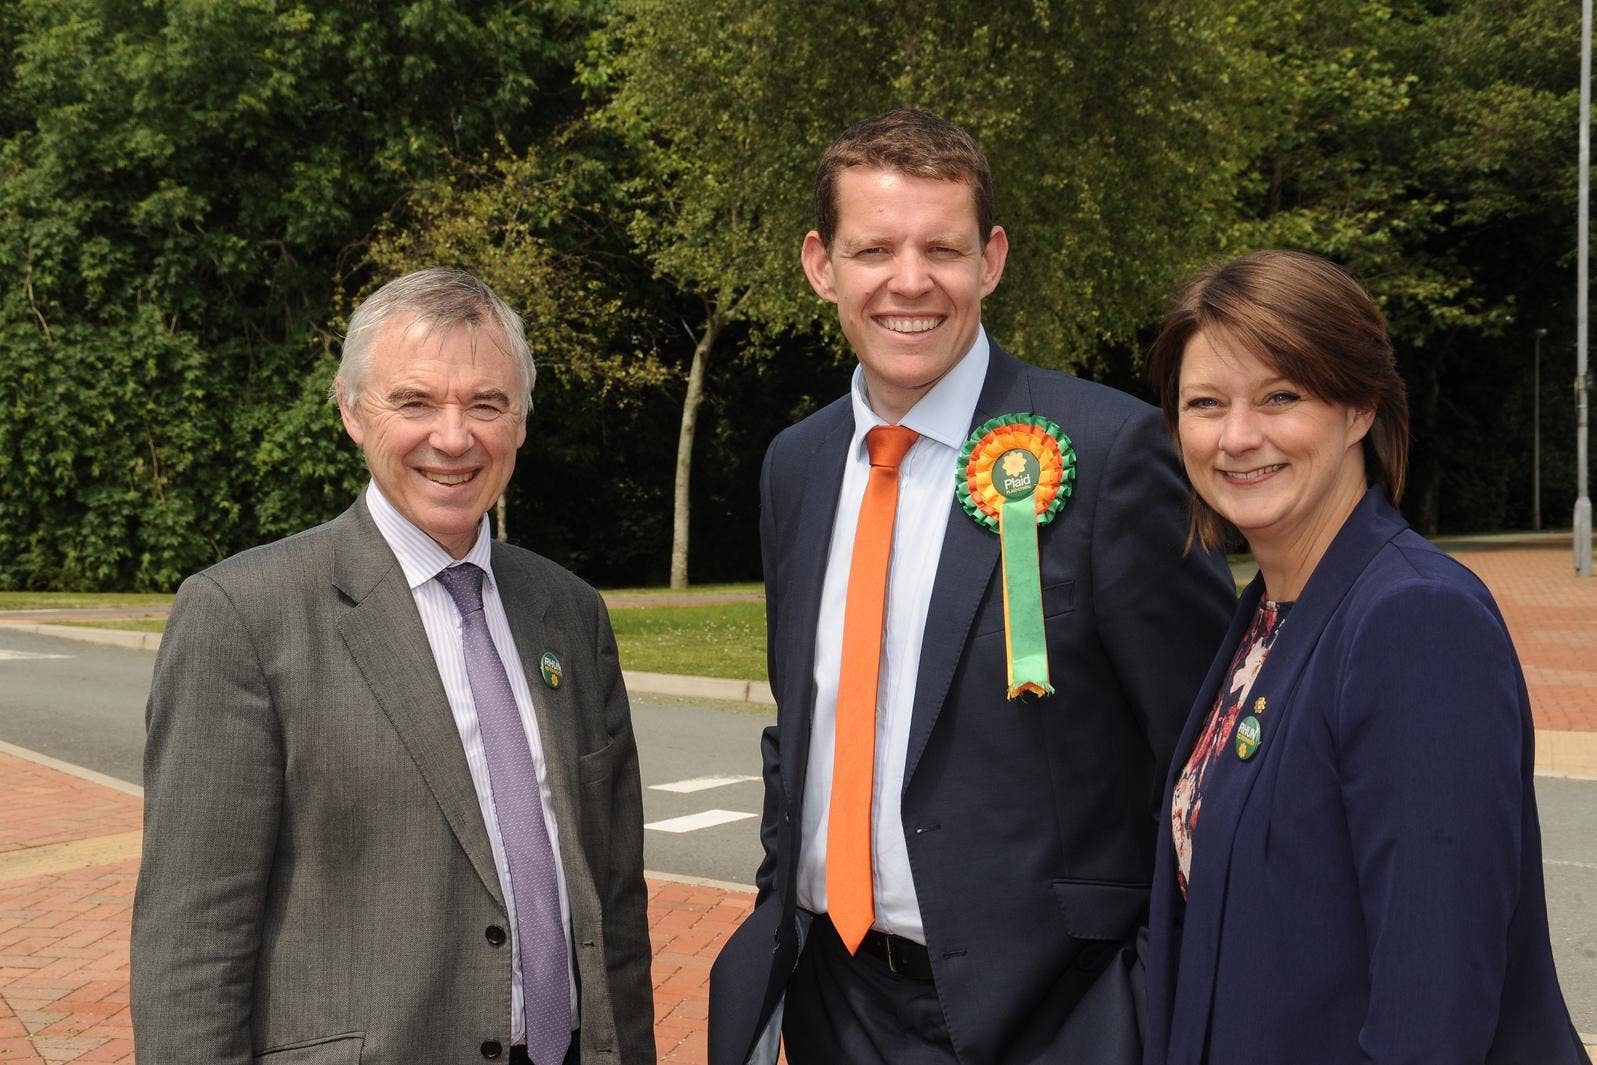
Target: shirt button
column 492, row 1049
column 495, row 935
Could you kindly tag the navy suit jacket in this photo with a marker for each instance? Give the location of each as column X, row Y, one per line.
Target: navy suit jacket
column 1368, row 886
column 1029, row 823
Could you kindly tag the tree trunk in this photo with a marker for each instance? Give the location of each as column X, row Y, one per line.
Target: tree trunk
column 499, row 517
column 682, row 506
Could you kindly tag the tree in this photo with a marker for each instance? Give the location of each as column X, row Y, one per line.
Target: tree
column 1426, row 147
column 539, row 227
column 185, row 186
column 1105, row 123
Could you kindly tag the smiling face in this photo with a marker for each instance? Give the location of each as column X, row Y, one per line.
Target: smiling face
column 1283, row 467
column 908, row 271
column 437, row 420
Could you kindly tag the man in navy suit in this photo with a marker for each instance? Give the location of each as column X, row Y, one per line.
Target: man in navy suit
column 1010, row 841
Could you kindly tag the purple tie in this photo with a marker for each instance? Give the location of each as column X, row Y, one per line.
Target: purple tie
column 540, row 933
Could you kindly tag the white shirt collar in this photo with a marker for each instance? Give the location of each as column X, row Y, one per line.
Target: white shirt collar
column 420, row 556
column 943, row 413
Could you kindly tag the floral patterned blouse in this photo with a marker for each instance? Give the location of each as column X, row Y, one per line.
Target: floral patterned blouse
column 1214, row 740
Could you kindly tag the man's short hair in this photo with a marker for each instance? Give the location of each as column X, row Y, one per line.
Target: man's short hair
column 912, row 142
column 439, row 299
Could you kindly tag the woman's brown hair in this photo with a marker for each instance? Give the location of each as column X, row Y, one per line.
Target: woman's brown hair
column 1311, row 323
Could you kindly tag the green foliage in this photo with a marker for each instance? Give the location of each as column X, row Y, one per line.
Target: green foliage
column 305, row 468
column 99, row 482
column 185, row 185
column 1105, row 123
column 709, row 101
column 1096, row 117
column 1428, row 148
column 537, row 227
column 1112, row 135
column 542, row 227
column 192, row 193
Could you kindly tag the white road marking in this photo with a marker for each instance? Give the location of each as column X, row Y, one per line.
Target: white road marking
column 12, row 655
column 685, row 787
column 694, row 822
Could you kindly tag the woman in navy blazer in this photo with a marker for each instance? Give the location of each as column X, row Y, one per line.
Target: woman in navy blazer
column 1349, row 860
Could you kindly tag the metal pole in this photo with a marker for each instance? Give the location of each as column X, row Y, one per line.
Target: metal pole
column 1536, row 434
column 1582, row 501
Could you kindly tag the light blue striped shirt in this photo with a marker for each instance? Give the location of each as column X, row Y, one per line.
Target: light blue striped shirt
column 422, row 559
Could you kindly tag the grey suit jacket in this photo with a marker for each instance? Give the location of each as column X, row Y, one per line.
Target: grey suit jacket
column 317, row 884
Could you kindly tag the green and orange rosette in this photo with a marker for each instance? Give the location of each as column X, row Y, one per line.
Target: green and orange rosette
column 1015, row 473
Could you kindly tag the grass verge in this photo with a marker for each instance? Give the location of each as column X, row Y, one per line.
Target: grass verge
column 740, row 589
column 702, row 640
column 84, row 600
column 128, row 624
column 711, row 640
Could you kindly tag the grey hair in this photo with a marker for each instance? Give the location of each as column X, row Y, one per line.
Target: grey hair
column 440, row 299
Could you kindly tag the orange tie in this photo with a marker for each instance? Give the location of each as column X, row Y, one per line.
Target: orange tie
column 848, row 837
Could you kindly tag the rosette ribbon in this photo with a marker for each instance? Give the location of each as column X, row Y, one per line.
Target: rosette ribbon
column 1015, row 473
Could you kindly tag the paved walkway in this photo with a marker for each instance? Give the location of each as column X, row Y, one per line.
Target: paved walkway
column 68, row 863
column 69, row 850
column 1552, row 615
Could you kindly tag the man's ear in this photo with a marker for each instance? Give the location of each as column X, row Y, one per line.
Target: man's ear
column 346, row 411
column 993, row 254
column 818, row 266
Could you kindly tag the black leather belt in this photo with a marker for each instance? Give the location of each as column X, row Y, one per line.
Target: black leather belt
column 903, row 956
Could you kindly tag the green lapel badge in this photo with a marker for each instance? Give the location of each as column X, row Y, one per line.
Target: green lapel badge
column 549, row 666
column 1247, row 737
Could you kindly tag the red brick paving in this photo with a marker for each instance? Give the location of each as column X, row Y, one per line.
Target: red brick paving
column 1552, row 615
column 64, row 962
column 64, row 938
column 46, row 807
column 687, row 924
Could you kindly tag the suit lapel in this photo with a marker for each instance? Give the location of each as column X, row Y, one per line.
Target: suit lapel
column 1370, row 526
column 1164, row 904
column 1247, row 603
column 822, row 472
column 385, row 637
column 527, row 606
column 970, row 555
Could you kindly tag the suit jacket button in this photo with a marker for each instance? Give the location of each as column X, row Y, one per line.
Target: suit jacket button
column 495, row 934
column 492, row 1049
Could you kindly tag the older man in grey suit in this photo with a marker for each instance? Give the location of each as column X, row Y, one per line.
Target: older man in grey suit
column 392, row 806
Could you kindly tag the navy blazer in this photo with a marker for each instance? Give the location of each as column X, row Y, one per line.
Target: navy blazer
column 1368, row 885
column 1029, row 824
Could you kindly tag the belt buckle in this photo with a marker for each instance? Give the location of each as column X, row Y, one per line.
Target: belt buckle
column 887, row 951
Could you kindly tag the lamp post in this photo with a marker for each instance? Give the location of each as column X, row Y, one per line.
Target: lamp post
column 1582, row 502
column 1536, row 434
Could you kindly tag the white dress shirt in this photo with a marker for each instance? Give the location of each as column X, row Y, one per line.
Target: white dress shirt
column 422, row 559
column 925, row 497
